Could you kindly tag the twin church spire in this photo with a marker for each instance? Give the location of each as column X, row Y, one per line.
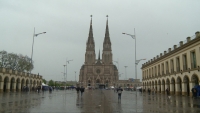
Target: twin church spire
column 90, row 49
column 90, row 41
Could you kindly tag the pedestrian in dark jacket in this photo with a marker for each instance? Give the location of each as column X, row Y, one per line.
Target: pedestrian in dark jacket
column 119, row 91
column 149, row 91
column 168, row 94
column 194, row 92
column 77, row 90
column 82, row 89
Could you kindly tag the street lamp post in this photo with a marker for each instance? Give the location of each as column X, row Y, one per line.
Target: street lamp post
column 64, row 76
column 134, row 37
column 125, row 72
column 67, row 61
column 75, row 76
column 34, row 35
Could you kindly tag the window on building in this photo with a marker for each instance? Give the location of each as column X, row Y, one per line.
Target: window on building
column 167, row 68
column 172, row 66
column 163, row 69
column 193, row 60
column 178, row 64
column 152, row 72
column 155, row 71
column 184, row 62
column 159, row 70
column 147, row 74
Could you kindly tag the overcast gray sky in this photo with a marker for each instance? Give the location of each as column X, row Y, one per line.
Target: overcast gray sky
column 159, row 25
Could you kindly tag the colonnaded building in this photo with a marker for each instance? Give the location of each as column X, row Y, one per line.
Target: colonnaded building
column 12, row 80
column 177, row 69
column 100, row 73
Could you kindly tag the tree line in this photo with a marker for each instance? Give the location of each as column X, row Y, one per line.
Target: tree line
column 14, row 61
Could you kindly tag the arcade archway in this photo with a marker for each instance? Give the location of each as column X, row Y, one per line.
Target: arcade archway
column 186, row 86
column 6, row 84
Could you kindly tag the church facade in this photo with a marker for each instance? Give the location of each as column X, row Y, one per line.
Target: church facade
column 98, row 73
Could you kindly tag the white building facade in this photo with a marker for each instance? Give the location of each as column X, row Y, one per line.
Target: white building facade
column 177, row 69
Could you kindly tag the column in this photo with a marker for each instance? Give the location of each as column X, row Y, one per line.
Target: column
column 171, row 88
column 1, row 86
column 162, row 88
column 166, row 86
column 19, row 86
column 14, row 87
column 191, row 85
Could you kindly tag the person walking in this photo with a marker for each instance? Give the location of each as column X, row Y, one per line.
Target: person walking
column 82, row 89
column 168, row 94
column 149, row 91
column 119, row 91
column 194, row 92
column 77, row 90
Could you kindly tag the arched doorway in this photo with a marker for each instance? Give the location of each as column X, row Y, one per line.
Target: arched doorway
column 27, row 82
column 156, row 86
column 163, row 86
column 173, row 89
column 12, row 82
column 150, row 85
column 6, row 84
column 17, row 84
column 89, row 83
column 168, row 84
column 97, row 83
column 179, row 86
column 1, row 83
column 153, row 87
column 195, row 80
column 186, row 86
column 22, row 84
column 106, row 85
column 159, row 89
column 31, row 85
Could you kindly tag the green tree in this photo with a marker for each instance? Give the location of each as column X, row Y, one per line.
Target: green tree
column 57, row 84
column 51, row 83
column 15, row 62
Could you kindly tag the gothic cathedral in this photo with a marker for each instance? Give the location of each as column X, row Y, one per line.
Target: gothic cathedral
column 98, row 73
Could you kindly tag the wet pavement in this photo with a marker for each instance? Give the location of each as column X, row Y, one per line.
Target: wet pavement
column 95, row 101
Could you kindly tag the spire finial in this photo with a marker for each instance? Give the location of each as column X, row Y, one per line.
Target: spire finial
column 91, row 20
column 99, row 55
column 107, row 16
